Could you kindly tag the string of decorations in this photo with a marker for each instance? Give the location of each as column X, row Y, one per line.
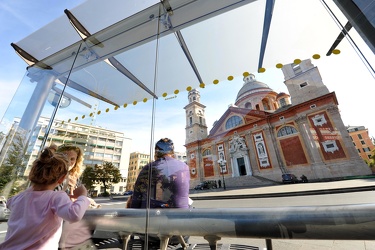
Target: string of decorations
column 201, row 85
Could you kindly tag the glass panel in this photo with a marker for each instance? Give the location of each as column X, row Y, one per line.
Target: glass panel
column 182, row 76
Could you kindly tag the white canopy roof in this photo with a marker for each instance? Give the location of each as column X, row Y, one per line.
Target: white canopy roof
column 120, row 51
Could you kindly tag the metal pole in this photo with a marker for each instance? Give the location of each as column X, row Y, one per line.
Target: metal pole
column 222, row 172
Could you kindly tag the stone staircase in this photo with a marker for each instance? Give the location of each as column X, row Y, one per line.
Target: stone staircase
column 249, row 181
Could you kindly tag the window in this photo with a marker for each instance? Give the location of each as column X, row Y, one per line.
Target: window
column 248, row 105
column 287, row 130
column 366, row 149
column 200, row 120
column 282, row 102
column 363, row 142
column 296, row 69
column 319, row 120
column 206, row 152
column 232, row 122
column 190, row 120
column 359, row 136
column 330, row 146
column 302, row 85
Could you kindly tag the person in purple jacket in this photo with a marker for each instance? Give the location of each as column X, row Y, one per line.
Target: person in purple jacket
column 37, row 213
column 170, row 179
column 170, row 182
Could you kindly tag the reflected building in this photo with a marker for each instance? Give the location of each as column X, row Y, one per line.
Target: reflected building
column 98, row 144
column 266, row 134
column 137, row 161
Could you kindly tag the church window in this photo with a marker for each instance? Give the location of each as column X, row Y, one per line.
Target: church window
column 232, row 122
column 206, row 152
column 200, row 121
column 296, row 69
column 304, row 84
column 287, row 130
column 282, row 102
column 319, row 120
column 248, row 105
column 266, row 105
column 190, row 120
column 194, row 98
column 330, row 146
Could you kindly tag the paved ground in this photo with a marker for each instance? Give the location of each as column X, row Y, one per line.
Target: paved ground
column 292, row 189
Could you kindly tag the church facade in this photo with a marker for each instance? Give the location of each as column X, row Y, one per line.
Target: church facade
column 266, row 134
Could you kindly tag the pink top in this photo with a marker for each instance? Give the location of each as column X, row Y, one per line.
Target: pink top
column 36, row 218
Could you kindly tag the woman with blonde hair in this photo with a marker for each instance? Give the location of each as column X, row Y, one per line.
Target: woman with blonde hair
column 75, row 157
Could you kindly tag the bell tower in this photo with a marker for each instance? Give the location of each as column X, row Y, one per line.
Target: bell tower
column 303, row 81
column 196, row 128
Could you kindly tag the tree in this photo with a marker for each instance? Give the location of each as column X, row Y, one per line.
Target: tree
column 88, row 178
column 104, row 175
column 371, row 161
column 13, row 166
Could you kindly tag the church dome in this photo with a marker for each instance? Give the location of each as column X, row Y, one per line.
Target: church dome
column 250, row 85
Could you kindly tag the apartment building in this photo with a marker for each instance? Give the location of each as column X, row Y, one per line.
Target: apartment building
column 362, row 141
column 137, row 161
column 99, row 145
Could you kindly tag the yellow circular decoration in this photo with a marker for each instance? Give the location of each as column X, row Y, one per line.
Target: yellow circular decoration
column 189, row 88
column 116, row 108
column 216, row 81
column 76, row 118
column 202, row 85
column 297, row 61
column 261, row 70
column 69, row 120
column 176, row 91
column 91, row 114
column 107, row 110
column 99, row 112
column 135, row 103
column 316, row 56
column 336, row 51
column 164, row 94
column 83, row 117
column 279, row 65
column 230, row 78
column 125, row 105
column 145, row 100
column 245, row 74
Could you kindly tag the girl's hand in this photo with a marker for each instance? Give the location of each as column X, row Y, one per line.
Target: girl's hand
column 81, row 190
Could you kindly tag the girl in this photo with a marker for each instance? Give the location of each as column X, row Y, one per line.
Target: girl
column 37, row 213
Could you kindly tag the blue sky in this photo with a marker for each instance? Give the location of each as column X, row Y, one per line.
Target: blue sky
column 344, row 74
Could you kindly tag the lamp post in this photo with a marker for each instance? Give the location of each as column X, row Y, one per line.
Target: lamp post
column 222, row 164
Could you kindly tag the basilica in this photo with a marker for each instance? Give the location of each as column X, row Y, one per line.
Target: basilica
column 266, row 134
